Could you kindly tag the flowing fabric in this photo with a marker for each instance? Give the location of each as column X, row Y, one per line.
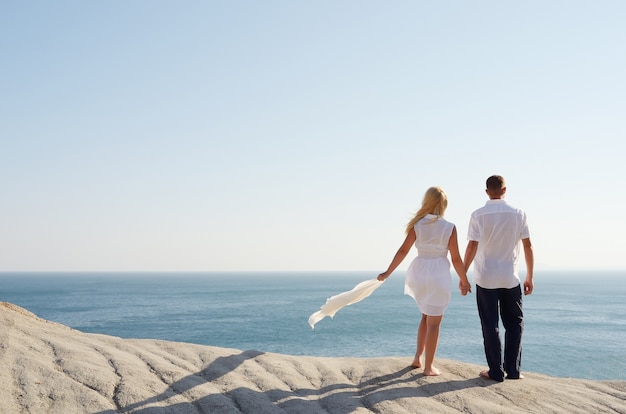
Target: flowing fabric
column 334, row 303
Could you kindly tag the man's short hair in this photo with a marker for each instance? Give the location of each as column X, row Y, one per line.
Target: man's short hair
column 495, row 182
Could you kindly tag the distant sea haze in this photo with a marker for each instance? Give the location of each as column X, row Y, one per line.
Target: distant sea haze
column 575, row 323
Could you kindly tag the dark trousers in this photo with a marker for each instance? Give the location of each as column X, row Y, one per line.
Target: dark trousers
column 508, row 303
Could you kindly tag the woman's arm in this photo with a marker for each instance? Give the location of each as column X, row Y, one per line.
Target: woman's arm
column 400, row 255
column 455, row 256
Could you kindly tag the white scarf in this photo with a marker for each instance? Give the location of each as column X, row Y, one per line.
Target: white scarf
column 334, row 303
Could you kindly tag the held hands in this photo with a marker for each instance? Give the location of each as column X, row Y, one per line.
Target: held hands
column 465, row 287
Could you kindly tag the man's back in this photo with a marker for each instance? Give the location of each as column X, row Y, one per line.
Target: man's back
column 498, row 229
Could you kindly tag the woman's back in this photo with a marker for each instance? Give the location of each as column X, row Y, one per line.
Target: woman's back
column 432, row 234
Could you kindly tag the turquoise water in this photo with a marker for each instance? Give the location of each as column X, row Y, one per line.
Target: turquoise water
column 575, row 323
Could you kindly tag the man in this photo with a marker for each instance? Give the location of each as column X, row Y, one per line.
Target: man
column 494, row 236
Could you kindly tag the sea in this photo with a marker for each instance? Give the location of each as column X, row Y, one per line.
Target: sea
column 575, row 322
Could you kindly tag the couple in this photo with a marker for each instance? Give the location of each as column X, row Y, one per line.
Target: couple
column 495, row 232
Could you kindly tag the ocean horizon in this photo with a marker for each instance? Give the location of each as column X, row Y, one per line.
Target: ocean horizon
column 575, row 322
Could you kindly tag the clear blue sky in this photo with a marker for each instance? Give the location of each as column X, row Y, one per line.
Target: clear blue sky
column 288, row 135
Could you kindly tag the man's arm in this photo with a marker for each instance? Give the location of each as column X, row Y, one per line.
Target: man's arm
column 470, row 253
column 529, row 256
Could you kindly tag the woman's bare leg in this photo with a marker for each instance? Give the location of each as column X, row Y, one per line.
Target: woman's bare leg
column 433, row 323
column 421, row 343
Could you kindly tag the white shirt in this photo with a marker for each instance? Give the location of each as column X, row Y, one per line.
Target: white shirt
column 498, row 228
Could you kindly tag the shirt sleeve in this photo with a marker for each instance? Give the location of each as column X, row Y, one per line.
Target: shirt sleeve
column 473, row 232
column 525, row 233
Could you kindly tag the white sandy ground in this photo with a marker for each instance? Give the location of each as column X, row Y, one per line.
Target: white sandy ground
column 46, row 367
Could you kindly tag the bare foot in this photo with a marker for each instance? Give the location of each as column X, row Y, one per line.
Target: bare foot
column 417, row 362
column 433, row 372
column 485, row 375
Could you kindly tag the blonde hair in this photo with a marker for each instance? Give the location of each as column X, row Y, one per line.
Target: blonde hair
column 435, row 202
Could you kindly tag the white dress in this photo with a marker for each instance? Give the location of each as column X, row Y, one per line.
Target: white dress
column 428, row 278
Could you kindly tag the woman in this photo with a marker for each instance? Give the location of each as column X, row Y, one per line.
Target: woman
column 428, row 278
